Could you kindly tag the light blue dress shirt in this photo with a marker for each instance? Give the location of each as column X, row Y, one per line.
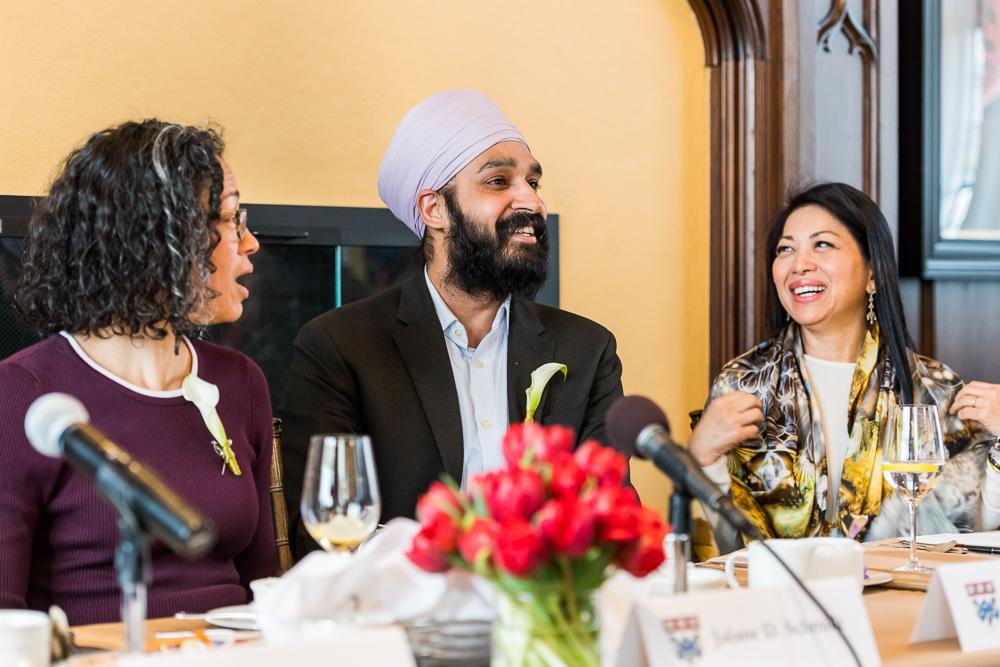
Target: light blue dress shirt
column 481, row 383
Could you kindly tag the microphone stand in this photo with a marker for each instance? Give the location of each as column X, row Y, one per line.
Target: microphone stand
column 132, row 557
column 132, row 566
column 678, row 542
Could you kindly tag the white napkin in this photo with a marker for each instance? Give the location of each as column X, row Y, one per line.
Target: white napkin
column 378, row 583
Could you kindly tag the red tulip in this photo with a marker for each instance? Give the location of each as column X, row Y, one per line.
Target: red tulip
column 645, row 554
column 439, row 500
column 432, row 546
column 520, row 548
column 567, row 526
column 544, row 442
column 604, row 463
column 480, row 536
column 566, row 476
column 514, row 445
column 552, row 441
column 550, row 501
column 617, row 511
column 512, row 494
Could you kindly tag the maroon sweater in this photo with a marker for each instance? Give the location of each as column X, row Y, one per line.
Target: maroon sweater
column 58, row 536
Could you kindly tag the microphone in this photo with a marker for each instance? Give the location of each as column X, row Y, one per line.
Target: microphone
column 57, row 425
column 635, row 422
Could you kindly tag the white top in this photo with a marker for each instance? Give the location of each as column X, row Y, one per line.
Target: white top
column 830, row 385
column 154, row 393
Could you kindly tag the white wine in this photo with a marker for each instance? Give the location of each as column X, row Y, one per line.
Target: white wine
column 340, row 533
column 912, row 479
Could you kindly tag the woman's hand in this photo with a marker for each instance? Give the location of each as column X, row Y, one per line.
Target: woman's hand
column 979, row 401
column 727, row 421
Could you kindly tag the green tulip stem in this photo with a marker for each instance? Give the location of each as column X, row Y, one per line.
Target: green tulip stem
column 571, row 605
column 554, row 634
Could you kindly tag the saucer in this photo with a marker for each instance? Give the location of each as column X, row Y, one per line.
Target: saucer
column 237, row 617
column 877, row 578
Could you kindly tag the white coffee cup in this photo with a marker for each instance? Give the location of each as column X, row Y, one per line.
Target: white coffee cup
column 809, row 557
column 25, row 638
column 260, row 586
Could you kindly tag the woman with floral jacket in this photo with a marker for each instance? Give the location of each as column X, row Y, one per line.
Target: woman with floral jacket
column 794, row 427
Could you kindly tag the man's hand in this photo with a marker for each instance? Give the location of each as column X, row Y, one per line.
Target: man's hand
column 727, row 421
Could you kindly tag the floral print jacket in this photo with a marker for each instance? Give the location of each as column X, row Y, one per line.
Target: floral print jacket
column 779, row 479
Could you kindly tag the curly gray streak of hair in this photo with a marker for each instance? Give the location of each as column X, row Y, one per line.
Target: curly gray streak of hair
column 168, row 144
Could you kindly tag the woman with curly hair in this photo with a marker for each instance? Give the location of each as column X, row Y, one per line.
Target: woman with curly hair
column 794, row 426
column 138, row 245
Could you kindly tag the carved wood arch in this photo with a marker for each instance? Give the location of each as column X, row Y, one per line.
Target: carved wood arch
column 841, row 18
column 861, row 39
column 736, row 52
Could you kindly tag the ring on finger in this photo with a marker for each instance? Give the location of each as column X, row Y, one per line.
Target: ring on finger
column 974, row 401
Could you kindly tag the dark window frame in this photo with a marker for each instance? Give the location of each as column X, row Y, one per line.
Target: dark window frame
column 922, row 250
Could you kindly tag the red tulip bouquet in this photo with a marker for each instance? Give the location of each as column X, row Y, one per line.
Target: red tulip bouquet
column 546, row 530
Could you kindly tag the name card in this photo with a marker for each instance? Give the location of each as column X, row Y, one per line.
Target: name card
column 963, row 597
column 347, row 646
column 754, row 626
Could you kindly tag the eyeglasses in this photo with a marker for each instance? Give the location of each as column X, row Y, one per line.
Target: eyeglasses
column 238, row 218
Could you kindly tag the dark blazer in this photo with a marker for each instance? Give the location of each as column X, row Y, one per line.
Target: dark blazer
column 380, row 366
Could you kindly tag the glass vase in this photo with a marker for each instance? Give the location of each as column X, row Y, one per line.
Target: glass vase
column 545, row 628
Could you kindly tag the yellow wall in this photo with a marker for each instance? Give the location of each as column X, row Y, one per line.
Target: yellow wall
column 612, row 96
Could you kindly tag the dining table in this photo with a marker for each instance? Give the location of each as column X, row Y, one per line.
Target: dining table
column 893, row 610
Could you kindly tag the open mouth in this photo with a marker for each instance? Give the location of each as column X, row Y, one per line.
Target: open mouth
column 242, row 288
column 804, row 293
column 524, row 234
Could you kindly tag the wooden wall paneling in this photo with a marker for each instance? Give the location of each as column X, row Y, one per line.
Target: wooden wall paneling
column 926, row 326
column 918, row 308
column 965, row 325
column 735, row 52
column 846, row 83
column 909, row 292
column 887, row 37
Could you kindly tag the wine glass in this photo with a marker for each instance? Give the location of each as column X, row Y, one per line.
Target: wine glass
column 912, row 459
column 340, row 496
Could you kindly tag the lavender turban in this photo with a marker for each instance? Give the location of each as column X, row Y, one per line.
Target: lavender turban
column 433, row 142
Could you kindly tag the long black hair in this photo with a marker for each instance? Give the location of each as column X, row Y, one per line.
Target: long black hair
column 122, row 244
column 863, row 219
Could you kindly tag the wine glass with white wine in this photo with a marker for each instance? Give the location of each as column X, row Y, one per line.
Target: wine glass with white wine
column 340, row 496
column 913, row 457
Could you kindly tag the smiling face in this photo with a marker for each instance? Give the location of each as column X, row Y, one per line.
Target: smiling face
column 821, row 277
column 495, row 237
column 502, row 182
column 231, row 259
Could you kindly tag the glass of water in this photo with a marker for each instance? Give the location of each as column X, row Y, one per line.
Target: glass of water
column 340, row 496
column 913, row 456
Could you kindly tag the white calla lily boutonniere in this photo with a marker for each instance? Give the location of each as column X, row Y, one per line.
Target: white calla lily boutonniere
column 539, row 380
column 205, row 396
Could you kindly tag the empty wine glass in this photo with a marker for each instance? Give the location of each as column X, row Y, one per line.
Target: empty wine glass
column 340, row 496
column 912, row 459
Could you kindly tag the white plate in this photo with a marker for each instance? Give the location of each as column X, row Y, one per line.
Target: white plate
column 877, row 578
column 237, row 617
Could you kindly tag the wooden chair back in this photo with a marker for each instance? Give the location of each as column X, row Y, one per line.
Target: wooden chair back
column 278, row 506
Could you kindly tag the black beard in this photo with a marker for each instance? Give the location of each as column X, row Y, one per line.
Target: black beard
column 485, row 264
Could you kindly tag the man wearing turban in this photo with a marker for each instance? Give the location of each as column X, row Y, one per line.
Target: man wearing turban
column 435, row 368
